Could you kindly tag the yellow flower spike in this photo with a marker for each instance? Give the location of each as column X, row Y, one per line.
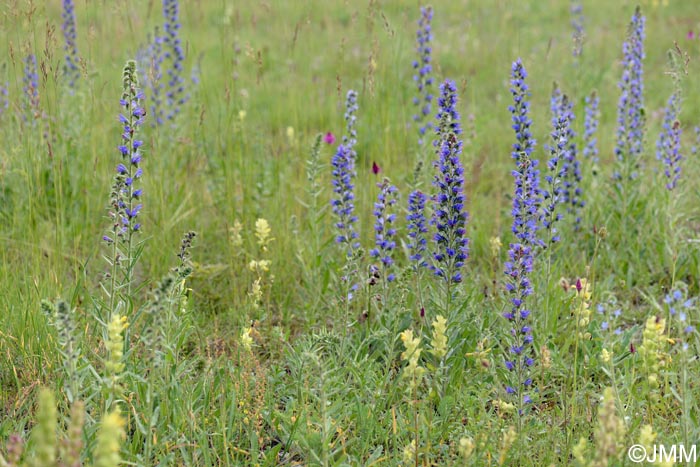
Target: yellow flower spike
column 262, row 232
column 610, row 432
column 115, row 344
column 605, row 356
column 439, row 340
column 409, row 452
column 242, row 114
column 247, row 339
column 290, row 134
column 256, row 292
column 235, row 234
column 652, row 350
column 109, row 441
column 579, row 452
column 44, row 433
column 647, row 437
column 495, row 243
column 412, row 345
column 413, row 372
column 466, row 448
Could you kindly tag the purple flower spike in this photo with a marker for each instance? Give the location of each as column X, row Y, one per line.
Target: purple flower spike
column 449, row 216
column 123, row 207
column 526, row 212
column 423, row 70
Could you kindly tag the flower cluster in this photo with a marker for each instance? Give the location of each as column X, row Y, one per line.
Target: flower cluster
column 343, row 203
column 527, row 199
column 438, row 343
column 350, row 139
column 423, row 69
column 653, row 351
column 449, row 216
column 163, row 57
column 553, row 194
column 150, row 59
column 175, row 55
column 590, row 123
column 668, row 146
column 630, row 110
column 413, row 371
column 525, row 216
column 30, row 80
column 261, row 267
column 384, row 232
column 70, row 69
column 679, row 308
column 343, row 165
column 572, row 193
column 125, row 196
column 577, row 35
column 417, row 228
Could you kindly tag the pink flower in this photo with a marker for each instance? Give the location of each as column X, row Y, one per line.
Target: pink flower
column 329, row 138
column 375, row 168
column 691, row 35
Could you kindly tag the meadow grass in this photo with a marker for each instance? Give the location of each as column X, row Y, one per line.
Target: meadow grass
column 239, row 346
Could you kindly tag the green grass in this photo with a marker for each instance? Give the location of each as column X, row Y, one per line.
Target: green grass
column 310, row 390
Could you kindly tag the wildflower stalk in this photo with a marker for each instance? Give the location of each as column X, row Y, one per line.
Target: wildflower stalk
column 449, row 216
column 590, row 123
column 44, row 434
column 71, row 69
column 526, row 212
column 314, row 190
column 343, row 204
column 62, row 318
column 108, row 440
column 417, row 244
column 414, row 373
column 556, row 191
column 125, row 197
column 630, row 112
column 669, row 152
column 384, row 233
column 423, row 77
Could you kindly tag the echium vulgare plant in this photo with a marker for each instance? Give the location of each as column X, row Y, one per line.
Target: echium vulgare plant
column 630, row 110
column 449, row 215
column 572, row 193
column 343, row 164
column 417, row 229
column 343, row 201
column 150, row 61
column 578, row 33
column 71, row 70
column 590, row 124
column 350, row 138
column 526, row 200
column 553, row 192
column 175, row 93
column 125, row 197
column 423, row 77
column 668, row 145
column 385, row 231
column 30, row 80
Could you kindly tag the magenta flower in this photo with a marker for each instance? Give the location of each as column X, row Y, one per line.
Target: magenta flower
column 691, row 35
column 375, row 168
column 329, row 138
